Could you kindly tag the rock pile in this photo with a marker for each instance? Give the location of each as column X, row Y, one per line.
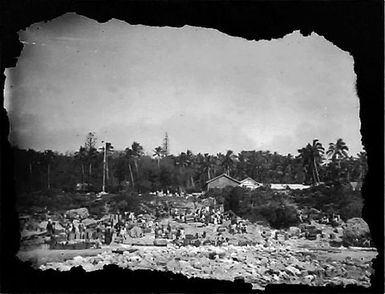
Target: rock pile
column 256, row 264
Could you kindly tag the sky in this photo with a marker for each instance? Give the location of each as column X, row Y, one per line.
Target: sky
column 209, row 91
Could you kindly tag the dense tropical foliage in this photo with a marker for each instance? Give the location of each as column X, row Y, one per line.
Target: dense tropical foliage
column 133, row 169
column 280, row 210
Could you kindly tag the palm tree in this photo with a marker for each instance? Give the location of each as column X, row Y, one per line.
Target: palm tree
column 137, row 152
column 48, row 158
column 186, row 160
column 338, row 151
column 228, row 161
column 92, row 154
column 91, row 151
column 32, row 159
column 81, row 157
column 181, row 161
column 109, row 150
column 312, row 156
column 317, row 156
column 207, row 164
column 363, row 163
column 218, row 161
column 190, row 163
column 304, row 155
column 263, row 160
column 129, row 155
column 158, row 153
column 243, row 164
column 31, row 155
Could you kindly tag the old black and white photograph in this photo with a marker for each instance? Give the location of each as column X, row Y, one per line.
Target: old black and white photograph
column 187, row 150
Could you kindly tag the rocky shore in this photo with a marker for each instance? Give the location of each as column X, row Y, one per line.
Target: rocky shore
column 257, row 265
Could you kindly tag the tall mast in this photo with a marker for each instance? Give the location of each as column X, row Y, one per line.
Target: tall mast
column 104, row 167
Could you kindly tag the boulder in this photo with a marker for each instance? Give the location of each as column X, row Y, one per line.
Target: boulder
column 81, row 213
column 136, row 232
column 89, row 222
column 356, row 232
column 43, row 225
column 293, row 270
column 294, row 231
column 174, row 266
column 78, row 259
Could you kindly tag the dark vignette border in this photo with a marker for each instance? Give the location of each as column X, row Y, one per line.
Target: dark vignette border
column 356, row 26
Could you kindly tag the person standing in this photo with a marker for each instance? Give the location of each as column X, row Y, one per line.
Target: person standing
column 53, row 231
column 108, row 236
column 72, row 232
column 67, row 231
column 81, row 231
column 123, row 233
column 77, row 232
column 88, row 233
column 49, row 227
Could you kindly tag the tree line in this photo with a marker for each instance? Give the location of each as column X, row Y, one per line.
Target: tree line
column 132, row 169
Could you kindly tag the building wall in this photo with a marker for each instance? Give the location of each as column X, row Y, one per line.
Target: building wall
column 221, row 183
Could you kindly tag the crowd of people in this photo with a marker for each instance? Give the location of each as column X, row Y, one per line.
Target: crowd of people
column 238, row 228
column 119, row 227
column 321, row 217
column 204, row 215
column 116, row 226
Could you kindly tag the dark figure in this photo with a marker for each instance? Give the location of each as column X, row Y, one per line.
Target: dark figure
column 53, row 228
column 108, row 236
column 49, row 227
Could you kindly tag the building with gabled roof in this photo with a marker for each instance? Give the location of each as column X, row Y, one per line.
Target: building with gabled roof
column 250, row 183
column 221, row 182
